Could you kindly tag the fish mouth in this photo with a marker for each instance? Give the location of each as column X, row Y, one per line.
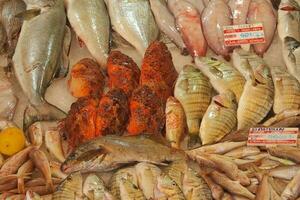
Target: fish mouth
column 219, row 101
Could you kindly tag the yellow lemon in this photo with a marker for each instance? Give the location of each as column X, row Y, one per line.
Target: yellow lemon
column 12, row 140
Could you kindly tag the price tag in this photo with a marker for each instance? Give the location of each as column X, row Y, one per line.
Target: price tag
column 272, row 136
column 244, row 34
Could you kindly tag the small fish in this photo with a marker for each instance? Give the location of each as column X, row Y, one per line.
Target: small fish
column 134, row 21
column 169, row 187
column 189, row 24
column 53, row 144
column 93, row 187
column 291, row 54
column 23, row 171
column 215, row 16
column 166, row 23
column 287, row 90
column 194, row 187
column 42, row 164
column 70, row 188
column 175, row 171
column 286, row 118
column 284, row 172
column 90, row 21
column 175, row 122
column 56, row 171
column 260, row 11
column 129, row 191
column 292, row 190
column 222, row 75
column 36, row 58
column 286, row 152
column 219, row 119
column 233, row 187
column 194, row 92
column 243, row 152
column 147, row 177
column 265, row 190
column 216, row 190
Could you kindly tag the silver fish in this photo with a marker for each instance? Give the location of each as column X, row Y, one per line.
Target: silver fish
column 291, row 56
column 166, row 22
column 90, row 21
column 37, row 55
column 134, row 21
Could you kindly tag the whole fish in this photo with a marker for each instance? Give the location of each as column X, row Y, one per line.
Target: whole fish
column 70, row 188
column 53, row 144
column 111, row 152
column 23, row 171
column 243, row 152
column 11, row 23
column 291, row 56
column 265, row 190
column 175, row 122
column 194, row 92
column 129, row 191
column 90, row 21
column 199, row 4
column 175, row 171
column 257, row 97
column 147, row 177
column 284, row 172
column 216, row 190
column 261, row 11
column 134, row 21
column 285, row 152
column 287, row 90
column 128, row 173
column 194, row 187
column 292, row 190
column 37, row 57
column 222, row 75
column 189, row 24
column 169, row 187
column 93, row 187
column 215, row 16
column 219, row 119
column 166, row 23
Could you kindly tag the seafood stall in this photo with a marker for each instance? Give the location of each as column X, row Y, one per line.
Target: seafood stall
column 149, row 99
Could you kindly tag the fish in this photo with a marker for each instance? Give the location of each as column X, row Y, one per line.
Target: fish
column 188, row 22
column 265, row 190
column 54, row 145
column 261, row 11
column 214, row 17
column 199, row 4
column 216, row 190
column 147, row 177
column 222, row 75
column 93, row 187
column 288, row 19
column 278, row 184
column 13, row 163
column 243, row 152
column 166, row 23
column 90, row 21
column 292, row 190
column 290, row 52
column 285, row 152
column 129, row 191
column 134, row 21
column 36, row 58
column 41, row 162
column 193, row 91
column 56, row 171
column 125, row 173
column 70, row 188
column 195, row 187
column 233, row 187
column 23, row 171
column 219, row 119
column 11, row 23
column 218, row 148
column 112, row 152
column 287, row 90
column 239, row 10
column 169, row 187
column 284, row 172
column 175, row 122
column 175, row 171
column 3, row 38
column 257, row 97
column 287, row 118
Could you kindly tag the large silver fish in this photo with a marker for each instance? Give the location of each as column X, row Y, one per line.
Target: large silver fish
column 134, row 21
column 37, row 56
column 90, row 21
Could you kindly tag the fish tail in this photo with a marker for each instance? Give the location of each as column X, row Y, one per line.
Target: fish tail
column 42, row 112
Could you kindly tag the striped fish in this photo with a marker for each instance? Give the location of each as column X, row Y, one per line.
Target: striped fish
column 129, row 191
column 169, row 187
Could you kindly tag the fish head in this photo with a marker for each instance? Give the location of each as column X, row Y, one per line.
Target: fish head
column 226, row 100
column 165, row 184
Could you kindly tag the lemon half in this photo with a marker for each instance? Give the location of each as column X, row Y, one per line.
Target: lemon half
column 12, row 140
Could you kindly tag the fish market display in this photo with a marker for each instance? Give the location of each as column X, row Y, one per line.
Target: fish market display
column 260, row 11
column 189, row 24
column 90, row 21
column 194, row 92
column 219, row 119
column 216, row 15
column 36, row 58
column 166, row 22
column 222, row 75
column 134, row 21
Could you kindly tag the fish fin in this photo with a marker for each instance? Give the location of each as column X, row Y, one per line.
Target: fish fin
column 42, row 112
column 28, row 14
column 216, row 72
